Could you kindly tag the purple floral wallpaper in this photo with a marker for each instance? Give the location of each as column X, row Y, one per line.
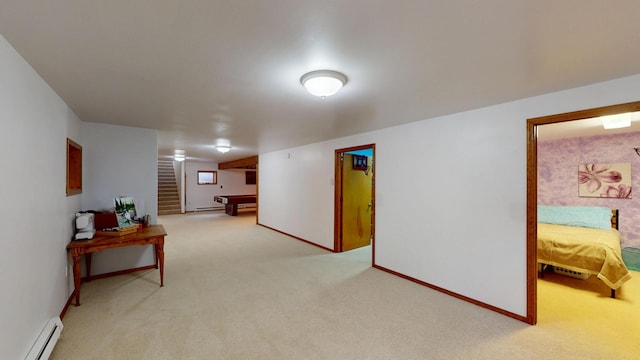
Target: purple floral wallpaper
column 558, row 162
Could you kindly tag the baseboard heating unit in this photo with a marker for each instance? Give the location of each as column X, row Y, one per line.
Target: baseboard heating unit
column 209, row 208
column 46, row 341
column 570, row 273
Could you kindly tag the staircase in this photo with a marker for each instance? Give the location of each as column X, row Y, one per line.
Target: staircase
column 168, row 198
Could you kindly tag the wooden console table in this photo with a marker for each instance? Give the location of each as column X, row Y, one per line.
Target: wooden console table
column 153, row 234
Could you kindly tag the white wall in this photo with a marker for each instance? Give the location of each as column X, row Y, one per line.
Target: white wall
column 296, row 189
column 178, row 172
column 450, row 193
column 37, row 222
column 120, row 160
column 230, row 182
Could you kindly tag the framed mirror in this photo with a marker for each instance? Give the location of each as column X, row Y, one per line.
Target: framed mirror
column 74, row 168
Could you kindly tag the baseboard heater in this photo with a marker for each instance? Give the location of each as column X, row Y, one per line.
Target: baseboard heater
column 207, row 208
column 46, row 341
column 570, row 273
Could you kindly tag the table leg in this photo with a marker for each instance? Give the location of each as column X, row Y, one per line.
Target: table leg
column 231, row 209
column 76, row 275
column 87, row 264
column 160, row 259
column 155, row 254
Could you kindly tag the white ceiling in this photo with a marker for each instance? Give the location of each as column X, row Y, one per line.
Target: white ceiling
column 208, row 71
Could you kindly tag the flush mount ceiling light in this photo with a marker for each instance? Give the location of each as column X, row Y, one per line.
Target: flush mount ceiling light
column 179, row 155
column 323, row 83
column 616, row 121
column 223, row 148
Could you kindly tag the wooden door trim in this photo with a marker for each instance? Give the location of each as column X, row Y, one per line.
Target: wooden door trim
column 337, row 209
column 257, row 193
column 532, row 188
column 247, row 163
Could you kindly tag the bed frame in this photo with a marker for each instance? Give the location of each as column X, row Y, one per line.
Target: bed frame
column 614, row 225
column 614, row 219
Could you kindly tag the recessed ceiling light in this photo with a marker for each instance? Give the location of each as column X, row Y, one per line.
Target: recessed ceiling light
column 323, row 83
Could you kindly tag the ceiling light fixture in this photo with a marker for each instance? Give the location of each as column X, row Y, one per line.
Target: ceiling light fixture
column 616, row 121
column 179, row 155
column 323, row 83
column 223, row 148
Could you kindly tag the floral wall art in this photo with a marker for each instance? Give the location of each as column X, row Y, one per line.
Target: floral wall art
column 605, row 180
column 558, row 183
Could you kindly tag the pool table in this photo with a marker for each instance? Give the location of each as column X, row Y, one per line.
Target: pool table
column 231, row 202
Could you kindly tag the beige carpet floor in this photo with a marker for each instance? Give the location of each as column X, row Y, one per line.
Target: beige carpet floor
column 235, row 290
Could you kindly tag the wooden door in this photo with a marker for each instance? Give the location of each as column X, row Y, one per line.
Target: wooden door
column 357, row 204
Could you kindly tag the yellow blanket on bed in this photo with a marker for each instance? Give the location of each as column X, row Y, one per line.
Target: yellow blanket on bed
column 585, row 250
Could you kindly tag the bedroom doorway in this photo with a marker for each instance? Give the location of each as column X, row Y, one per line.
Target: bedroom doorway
column 533, row 125
column 354, row 204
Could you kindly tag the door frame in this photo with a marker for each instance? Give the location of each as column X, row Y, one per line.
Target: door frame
column 337, row 203
column 532, row 189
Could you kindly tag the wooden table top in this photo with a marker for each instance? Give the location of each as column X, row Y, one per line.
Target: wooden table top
column 144, row 233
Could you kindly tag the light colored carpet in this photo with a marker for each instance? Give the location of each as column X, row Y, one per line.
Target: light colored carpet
column 235, row 290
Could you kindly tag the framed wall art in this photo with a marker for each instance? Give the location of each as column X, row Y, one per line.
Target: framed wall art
column 605, row 180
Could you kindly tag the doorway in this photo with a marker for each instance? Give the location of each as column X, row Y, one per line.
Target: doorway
column 532, row 188
column 354, row 205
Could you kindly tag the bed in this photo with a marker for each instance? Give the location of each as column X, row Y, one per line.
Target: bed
column 582, row 239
